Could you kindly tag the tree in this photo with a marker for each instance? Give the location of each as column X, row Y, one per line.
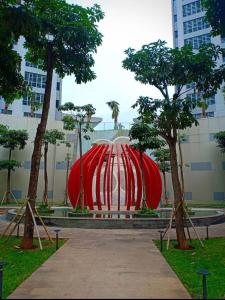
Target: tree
column 162, row 67
column 162, row 157
column 50, row 137
column 220, row 139
column 60, row 37
column 144, row 138
column 114, row 106
column 34, row 104
column 12, row 84
column 215, row 15
column 79, row 118
column 67, row 159
column 11, row 140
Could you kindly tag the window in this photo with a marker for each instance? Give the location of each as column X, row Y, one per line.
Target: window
column 58, row 86
column 8, row 112
column 223, row 57
column 35, row 80
column 190, row 86
column 192, row 8
column 223, row 39
column 209, row 114
column 198, row 41
column 38, row 98
column 195, row 25
column 57, row 103
column 198, row 96
column 175, row 18
column 27, row 114
column 176, row 34
column 29, row 64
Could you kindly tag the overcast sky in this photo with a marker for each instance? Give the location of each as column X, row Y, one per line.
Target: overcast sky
column 127, row 23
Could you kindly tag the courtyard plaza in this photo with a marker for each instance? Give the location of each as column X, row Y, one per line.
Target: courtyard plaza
column 107, row 263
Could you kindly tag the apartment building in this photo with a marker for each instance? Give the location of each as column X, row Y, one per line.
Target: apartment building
column 191, row 27
column 35, row 78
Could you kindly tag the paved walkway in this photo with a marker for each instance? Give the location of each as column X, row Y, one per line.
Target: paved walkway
column 104, row 264
column 107, row 264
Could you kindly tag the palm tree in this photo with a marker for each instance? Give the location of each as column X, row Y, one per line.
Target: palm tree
column 114, row 106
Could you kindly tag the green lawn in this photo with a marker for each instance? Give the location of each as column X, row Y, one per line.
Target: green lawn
column 187, row 263
column 21, row 264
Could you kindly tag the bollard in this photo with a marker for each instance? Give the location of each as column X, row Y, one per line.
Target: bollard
column 57, row 238
column 207, row 232
column 2, row 264
column 161, row 240
column 204, row 273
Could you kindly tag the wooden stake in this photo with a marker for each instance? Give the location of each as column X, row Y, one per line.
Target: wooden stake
column 43, row 224
column 35, row 225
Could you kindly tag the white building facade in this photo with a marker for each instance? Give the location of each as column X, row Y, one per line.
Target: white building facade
column 35, row 78
column 190, row 27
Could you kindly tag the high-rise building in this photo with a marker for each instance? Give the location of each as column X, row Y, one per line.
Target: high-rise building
column 191, row 27
column 35, row 78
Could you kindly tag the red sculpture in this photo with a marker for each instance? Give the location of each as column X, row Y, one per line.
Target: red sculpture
column 104, row 167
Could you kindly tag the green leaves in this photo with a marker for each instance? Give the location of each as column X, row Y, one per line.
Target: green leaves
column 220, row 139
column 9, row 164
column 53, row 136
column 162, row 157
column 161, row 67
column 215, row 15
column 144, row 137
column 13, row 139
column 79, row 117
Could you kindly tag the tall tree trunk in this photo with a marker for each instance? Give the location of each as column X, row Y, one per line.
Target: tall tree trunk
column 181, row 168
column 165, row 188
column 27, row 242
column 204, row 110
column 8, row 189
column 66, row 188
column 178, row 200
column 81, row 200
column 115, row 123
column 144, row 204
column 45, row 195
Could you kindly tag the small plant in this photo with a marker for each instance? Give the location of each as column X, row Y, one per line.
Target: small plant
column 44, row 208
column 148, row 211
column 79, row 210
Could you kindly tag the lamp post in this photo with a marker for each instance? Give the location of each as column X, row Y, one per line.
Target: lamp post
column 57, row 238
column 161, row 240
column 2, row 264
column 204, row 273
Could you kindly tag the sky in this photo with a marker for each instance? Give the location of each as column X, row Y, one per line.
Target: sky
column 127, row 23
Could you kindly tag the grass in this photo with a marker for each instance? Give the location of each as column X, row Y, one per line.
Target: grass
column 21, row 264
column 187, row 263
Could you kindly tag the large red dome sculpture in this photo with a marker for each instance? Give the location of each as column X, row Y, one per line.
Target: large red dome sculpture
column 110, row 170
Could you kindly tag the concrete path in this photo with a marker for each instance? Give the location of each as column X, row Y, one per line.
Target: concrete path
column 104, row 264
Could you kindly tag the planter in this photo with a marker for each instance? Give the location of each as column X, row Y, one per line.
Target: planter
column 144, row 216
column 80, row 215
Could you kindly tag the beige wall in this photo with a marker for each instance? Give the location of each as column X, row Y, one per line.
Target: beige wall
column 201, row 149
column 201, row 152
column 20, row 177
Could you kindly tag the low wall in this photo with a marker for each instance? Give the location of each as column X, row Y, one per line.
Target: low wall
column 134, row 223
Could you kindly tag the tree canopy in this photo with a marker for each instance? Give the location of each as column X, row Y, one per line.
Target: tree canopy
column 215, row 14
column 220, row 139
column 13, row 139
